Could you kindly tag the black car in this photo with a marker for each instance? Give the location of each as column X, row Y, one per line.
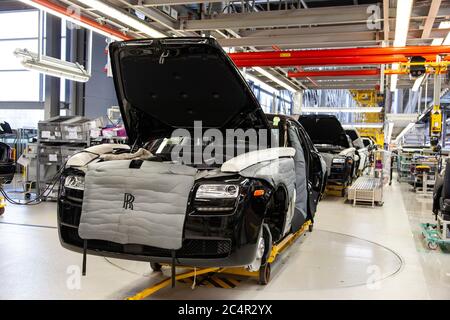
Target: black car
column 7, row 165
column 331, row 140
column 230, row 212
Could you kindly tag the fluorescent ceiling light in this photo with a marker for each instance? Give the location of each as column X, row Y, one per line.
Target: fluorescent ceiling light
column 446, row 40
column 403, row 15
column 437, row 41
column 260, row 83
column 394, row 78
column 335, row 110
column 274, row 79
column 71, row 19
column 418, row 83
column 367, row 125
column 390, row 129
column 52, row 66
column 134, row 23
column 444, row 25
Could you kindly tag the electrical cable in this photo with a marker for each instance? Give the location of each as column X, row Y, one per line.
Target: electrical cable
column 49, row 187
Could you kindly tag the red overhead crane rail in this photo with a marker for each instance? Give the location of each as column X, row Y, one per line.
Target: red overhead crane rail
column 347, row 52
column 347, row 56
column 334, row 73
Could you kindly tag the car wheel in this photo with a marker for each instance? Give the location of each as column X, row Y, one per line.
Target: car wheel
column 267, row 243
column 264, row 274
column 432, row 245
column 155, row 266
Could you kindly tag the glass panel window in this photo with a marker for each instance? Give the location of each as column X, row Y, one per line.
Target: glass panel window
column 22, row 118
column 19, row 86
column 8, row 61
column 19, row 24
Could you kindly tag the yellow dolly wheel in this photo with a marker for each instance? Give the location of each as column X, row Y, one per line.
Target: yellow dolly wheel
column 2, row 210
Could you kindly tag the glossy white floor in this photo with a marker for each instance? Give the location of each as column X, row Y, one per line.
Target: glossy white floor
column 353, row 253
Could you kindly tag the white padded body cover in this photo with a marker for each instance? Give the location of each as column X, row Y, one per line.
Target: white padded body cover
column 160, row 192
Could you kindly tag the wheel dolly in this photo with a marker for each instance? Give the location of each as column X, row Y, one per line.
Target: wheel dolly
column 263, row 274
column 435, row 234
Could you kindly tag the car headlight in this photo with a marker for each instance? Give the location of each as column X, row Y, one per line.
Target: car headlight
column 339, row 160
column 217, row 191
column 74, row 182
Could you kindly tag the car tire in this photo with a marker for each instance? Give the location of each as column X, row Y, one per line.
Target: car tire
column 155, row 266
column 267, row 236
column 432, row 245
column 264, row 274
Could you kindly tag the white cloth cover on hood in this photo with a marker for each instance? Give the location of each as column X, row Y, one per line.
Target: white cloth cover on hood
column 145, row 205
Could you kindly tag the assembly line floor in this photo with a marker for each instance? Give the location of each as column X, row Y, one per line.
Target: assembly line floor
column 353, row 253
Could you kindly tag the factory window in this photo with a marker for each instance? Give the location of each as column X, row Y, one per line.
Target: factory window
column 19, row 86
column 22, row 118
column 18, row 29
column 18, row 24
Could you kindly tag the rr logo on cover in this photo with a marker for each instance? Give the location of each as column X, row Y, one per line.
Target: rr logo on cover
column 128, row 200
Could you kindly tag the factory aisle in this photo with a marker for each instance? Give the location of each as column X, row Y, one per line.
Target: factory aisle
column 353, row 253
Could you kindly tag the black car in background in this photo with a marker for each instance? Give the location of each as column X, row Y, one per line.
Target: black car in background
column 331, row 140
column 7, row 165
column 235, row 211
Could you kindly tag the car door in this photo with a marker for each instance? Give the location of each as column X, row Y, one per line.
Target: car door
column 314, row 169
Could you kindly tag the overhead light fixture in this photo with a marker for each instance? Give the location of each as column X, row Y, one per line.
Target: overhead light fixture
column 390, row 129
column 114, row 13
column 404, row 131
column 260, row 83
column 367, row 125
column 418, row 83
column 274, row 79
column 394, row 78
column 335, row 110
column 444, row 25
column 67, row 16
column 437, row 41
column 52, row 66
column 403, row 15
column 446, row 40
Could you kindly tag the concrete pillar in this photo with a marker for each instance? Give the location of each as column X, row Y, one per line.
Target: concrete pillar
column 78, row 42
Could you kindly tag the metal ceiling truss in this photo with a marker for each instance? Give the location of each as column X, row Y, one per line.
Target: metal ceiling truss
column 256, row 25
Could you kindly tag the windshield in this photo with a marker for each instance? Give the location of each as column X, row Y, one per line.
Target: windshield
column 352, row 134
column 208, row 151
column 325, row 130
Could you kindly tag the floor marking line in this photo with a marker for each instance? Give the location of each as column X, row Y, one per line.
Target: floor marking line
column 28, row 225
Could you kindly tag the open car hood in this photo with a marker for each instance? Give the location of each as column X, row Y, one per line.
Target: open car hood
column 165, row 84
column 324, row 129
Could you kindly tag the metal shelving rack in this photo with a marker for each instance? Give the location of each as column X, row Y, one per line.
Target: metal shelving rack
column 57, row 159
column 404, row 162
